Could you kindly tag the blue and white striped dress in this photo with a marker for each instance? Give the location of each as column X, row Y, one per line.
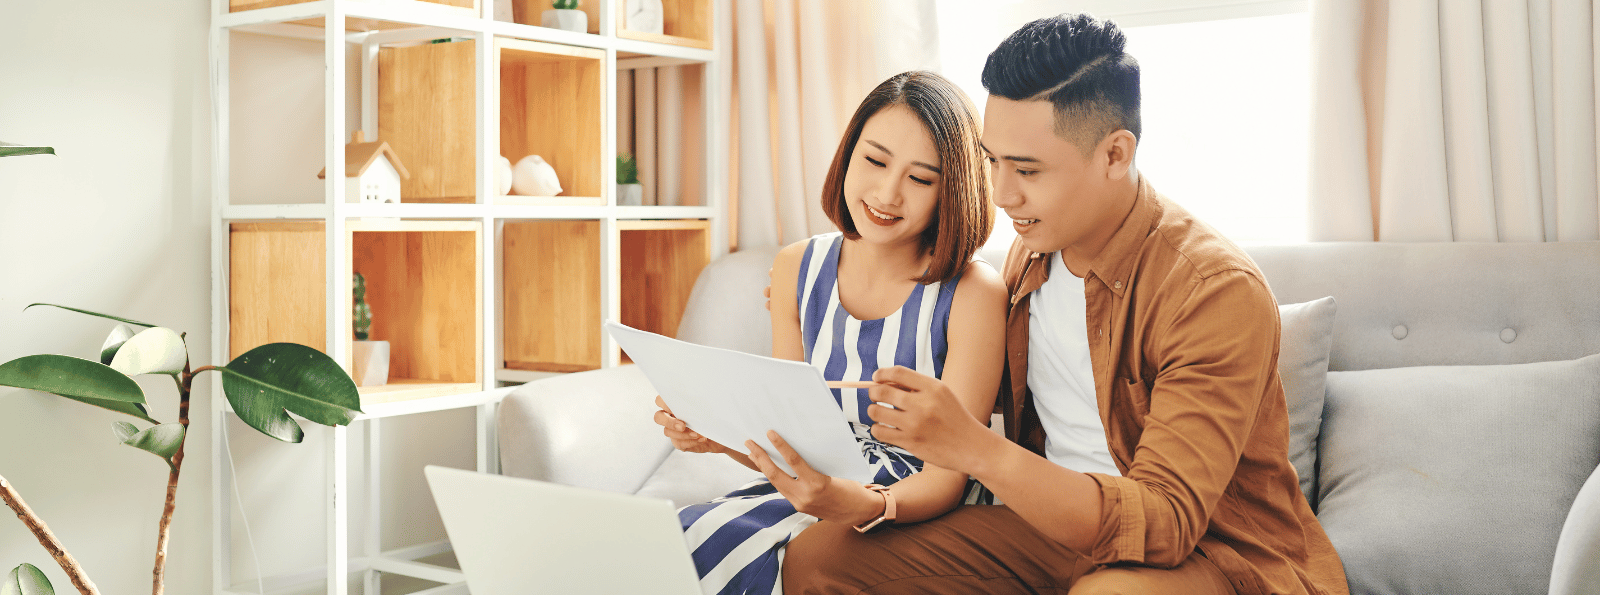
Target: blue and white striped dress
column 737, row 540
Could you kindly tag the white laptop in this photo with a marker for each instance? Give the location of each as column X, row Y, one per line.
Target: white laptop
column 517, row 536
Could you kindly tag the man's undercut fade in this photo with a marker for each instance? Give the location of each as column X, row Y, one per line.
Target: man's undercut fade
column 1077, row 63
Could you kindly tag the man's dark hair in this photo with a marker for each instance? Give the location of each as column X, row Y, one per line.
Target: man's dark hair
column 1076, row 63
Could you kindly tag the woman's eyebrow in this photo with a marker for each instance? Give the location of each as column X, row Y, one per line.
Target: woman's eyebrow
column 927, row 166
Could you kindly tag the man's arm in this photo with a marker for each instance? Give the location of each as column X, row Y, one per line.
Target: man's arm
column 1214, row 362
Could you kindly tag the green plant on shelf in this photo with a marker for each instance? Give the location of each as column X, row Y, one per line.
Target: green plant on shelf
column 565, row 4
column 362, row 317
column 627, row 169
column 263, row 386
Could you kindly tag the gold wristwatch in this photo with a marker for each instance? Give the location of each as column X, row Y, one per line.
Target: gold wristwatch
column 888, row 508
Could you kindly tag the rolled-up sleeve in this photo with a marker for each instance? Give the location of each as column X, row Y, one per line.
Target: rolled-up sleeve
column 1213, row 356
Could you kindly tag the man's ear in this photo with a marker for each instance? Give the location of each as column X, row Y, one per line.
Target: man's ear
column 1116, row 153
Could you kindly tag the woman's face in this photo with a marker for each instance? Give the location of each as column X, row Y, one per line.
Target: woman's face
column 893, row 184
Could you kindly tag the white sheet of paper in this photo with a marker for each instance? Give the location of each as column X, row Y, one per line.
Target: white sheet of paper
column 730, row 396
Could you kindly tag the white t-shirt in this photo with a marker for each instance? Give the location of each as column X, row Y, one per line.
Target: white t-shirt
column 1061, row 377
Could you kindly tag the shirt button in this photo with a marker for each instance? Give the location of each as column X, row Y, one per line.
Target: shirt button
column 1117, row 284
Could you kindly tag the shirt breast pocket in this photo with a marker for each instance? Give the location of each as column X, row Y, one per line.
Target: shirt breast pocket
column 1131, row 394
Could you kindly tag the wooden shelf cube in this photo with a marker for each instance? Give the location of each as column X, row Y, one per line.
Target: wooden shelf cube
column 661, row 123
column 551, row 303
column 551, row 104
column 531, row 12
column 277, row 285
column 422, row 282
column 660, row 262
column 243, row 5
column 427, row 114
column 684, row 22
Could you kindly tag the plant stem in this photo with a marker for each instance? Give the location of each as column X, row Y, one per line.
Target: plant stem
column 47, row 539
column 164, row 532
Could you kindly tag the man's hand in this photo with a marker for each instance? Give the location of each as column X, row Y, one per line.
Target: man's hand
column 926, row 418
column 811, row 492
column 682, row 437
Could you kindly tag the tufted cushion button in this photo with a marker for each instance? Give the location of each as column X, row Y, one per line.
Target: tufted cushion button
column 1400, row 331
column 1508, row 335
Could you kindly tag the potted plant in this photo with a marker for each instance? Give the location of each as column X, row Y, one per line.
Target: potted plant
column 263, row 386
column 369, row 360
column 565, row 15
column 629, row 191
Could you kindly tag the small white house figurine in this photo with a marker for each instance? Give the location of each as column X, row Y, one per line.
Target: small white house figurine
column 372, row 171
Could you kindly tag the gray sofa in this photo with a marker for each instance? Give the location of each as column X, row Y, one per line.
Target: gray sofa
column 1440, row 457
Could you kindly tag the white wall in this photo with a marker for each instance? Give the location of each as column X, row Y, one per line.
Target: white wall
column 118, row 222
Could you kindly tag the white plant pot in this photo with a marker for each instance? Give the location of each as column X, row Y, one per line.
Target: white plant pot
column 630, row 195
column 370, row 363
column 567, row 19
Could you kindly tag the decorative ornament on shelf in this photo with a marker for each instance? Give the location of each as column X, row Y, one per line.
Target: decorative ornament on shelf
column 503, row 176
column 372, row 171
column 644, row 16
column 533, row 177
column 566, row 16
column 630, row 193
column 369, row 359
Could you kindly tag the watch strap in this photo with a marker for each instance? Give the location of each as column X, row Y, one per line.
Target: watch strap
column 888, row 508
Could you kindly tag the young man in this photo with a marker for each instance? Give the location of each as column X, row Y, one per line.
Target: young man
column 1147, row 428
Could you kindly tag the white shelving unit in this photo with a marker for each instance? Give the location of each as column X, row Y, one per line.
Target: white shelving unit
column 281, row 266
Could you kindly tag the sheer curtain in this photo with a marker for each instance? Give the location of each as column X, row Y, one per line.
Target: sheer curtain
column 1454, row 120
column 798, row 70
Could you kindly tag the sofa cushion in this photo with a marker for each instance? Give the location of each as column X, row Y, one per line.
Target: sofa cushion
column 1303, row 344
column 1456, row 479
column 1577, row 566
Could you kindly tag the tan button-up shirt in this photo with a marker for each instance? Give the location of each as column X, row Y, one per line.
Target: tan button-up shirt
column 1183, row 339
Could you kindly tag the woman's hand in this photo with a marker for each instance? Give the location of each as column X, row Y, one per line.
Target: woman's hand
column 811, row 492
column 682, row 437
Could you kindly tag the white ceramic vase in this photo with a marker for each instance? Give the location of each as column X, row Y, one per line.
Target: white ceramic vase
column 630, row 195
column 370, row 363
column 565, row 18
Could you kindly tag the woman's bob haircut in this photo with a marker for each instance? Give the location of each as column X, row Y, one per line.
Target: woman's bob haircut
column 963, row 217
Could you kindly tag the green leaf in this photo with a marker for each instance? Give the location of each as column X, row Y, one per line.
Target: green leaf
column 267, row 380
column 12, row 150
column 162, row 440
column 26, row 579
column 119, row 335
column 124, row 430
column 116, row 318
column 157, row 350
column 77, row 379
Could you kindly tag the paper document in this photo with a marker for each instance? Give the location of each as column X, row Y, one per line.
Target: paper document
column 730, row 397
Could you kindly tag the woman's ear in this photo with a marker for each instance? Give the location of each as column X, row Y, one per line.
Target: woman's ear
column 1116, row 153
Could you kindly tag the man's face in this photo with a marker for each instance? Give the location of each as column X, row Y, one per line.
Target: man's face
column 1055, row 196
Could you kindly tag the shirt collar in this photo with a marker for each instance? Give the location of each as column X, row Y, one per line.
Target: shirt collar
column 1115, row 263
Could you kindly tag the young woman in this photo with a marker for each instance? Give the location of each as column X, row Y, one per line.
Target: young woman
column 897, row 286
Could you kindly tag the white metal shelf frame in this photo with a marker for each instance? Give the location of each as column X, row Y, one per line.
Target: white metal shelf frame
column 430, row 21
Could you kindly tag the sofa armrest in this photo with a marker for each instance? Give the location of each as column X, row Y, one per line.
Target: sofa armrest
column 589, row 429
column 1577, row 564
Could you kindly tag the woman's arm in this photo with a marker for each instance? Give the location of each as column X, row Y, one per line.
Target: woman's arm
column 972, row 371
